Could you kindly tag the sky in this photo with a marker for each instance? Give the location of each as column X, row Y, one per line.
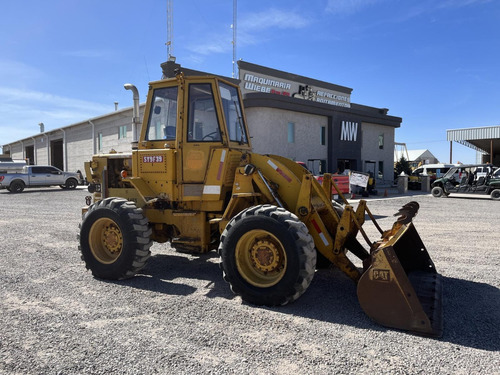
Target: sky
column 434, row 63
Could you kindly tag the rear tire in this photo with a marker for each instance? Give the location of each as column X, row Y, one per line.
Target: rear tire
column 267, row 256
column 115, row 239
column 437, row 191
column 16, row 187
column 495, row 195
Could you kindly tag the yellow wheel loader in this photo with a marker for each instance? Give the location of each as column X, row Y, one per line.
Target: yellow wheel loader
column 192, row 180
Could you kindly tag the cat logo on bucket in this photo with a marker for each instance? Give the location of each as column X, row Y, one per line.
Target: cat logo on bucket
column 381, row 275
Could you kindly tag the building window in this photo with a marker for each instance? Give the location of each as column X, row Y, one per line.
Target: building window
column 381, row 141
column 322, row 136
column 291, row 132
column 99, row 141
column 122, row 132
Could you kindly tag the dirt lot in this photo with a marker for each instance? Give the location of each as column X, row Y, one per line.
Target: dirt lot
column 179, row 317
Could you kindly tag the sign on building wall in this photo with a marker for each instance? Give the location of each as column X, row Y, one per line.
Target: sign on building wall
column 259, row 82
column 349, row 131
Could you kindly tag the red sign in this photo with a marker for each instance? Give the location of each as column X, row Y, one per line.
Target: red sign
column 341, row 181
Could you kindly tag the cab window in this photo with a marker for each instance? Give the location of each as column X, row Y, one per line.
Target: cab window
column 163, row 115
column 203, row 125
column 232, row 113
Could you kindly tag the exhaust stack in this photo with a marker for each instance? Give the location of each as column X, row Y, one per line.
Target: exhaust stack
column 135, row 112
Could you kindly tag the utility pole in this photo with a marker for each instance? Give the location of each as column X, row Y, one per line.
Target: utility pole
column 235, row 7
column 170, row 29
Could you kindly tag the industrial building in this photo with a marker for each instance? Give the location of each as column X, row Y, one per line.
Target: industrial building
column 295, row 116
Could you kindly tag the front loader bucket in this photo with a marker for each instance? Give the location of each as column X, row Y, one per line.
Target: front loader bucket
column 401, row 288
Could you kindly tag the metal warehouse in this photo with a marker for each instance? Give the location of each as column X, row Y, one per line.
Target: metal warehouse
column 290, row 115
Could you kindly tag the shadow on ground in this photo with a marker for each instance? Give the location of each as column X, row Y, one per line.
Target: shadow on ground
column 471, row 309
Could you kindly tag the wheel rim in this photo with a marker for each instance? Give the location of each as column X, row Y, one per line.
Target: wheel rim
column 105, row 240
column 260, row 258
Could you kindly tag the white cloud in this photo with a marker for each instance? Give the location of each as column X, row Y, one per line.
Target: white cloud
column 18, row 73
column 416, row 8
column 273, row 18
column 24, row 97
column 250, row 29
column 22, row 110
column 459, row 3
column 215, row 43
column 426, row 7
column 348, row 6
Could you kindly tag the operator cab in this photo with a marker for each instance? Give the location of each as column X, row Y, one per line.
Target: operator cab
column 213, row 114
column 190, row 124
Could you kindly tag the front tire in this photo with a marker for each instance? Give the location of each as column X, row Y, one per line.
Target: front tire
column 115, row 239
column 495, row 195
column 267, row 256
column 437, row 191
column 71, row 184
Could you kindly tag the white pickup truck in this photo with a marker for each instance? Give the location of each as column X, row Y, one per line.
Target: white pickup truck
column 36, row 176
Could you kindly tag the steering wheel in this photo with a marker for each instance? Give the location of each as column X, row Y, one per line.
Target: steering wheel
column 211, row 135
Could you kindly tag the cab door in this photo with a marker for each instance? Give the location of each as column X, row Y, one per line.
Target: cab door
column 203, row 133
column 155, row 160
column 45, row 176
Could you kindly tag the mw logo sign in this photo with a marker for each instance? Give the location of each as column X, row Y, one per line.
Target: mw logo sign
column 349, row 131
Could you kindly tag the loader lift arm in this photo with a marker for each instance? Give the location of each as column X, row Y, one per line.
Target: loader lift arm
column 397, row 264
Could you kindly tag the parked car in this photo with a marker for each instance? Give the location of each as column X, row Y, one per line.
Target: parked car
column 472, row 179
column 434, row 171
column 36, row 176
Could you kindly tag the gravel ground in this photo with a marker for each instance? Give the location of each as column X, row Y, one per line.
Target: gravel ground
column 179, row 317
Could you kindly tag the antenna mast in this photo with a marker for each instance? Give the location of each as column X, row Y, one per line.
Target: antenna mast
column 234, row 36
column 170, row 29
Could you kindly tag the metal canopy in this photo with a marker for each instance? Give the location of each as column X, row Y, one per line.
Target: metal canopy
column 485, row 139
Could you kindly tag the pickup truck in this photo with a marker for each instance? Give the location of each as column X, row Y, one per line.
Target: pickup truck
column 36, row 176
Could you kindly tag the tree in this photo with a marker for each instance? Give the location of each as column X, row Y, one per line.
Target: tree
column 402, row 165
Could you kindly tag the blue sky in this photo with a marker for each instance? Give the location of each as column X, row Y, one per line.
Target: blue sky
column 435, row 63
